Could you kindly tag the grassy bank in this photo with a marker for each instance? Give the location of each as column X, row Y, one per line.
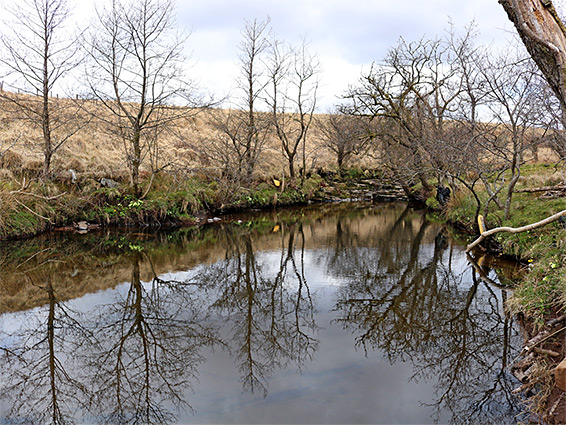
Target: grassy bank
column 544, row 250
column 540, row 296
column 168, row 201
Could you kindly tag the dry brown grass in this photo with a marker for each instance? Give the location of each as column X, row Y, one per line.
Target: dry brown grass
column 95, row 152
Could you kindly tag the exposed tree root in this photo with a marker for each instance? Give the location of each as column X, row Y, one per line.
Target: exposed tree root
column 534, row 369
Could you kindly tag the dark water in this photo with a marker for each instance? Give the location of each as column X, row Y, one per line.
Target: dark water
column 334, row 314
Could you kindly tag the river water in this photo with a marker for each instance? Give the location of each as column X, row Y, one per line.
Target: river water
column 348, row 313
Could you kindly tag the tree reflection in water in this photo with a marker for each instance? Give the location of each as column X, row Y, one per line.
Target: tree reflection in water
column 133, row 362
column 150, row 348
column 271, row 318
column 37, row 366
column 411, row 305
column 399, row 285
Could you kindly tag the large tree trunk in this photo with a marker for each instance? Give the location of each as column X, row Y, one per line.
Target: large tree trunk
column 544, row 36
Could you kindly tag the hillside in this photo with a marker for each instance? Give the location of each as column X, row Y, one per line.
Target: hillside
column 95, row 152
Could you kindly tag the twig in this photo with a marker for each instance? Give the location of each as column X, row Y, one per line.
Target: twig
column 10, row 147
column 33, row 212
column 544, row 339
column 47, row 198
column 148, row 186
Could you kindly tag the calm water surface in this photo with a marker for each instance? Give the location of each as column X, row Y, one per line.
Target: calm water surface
column 336, row 314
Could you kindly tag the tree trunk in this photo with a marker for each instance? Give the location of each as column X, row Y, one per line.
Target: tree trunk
column 46, row 163
column 135, row 163
column 45, row 114
column 515, row 175
column 544, row 36
column 340, row 161
column 291, row 159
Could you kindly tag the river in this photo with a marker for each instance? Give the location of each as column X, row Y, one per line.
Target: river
column 347, row 313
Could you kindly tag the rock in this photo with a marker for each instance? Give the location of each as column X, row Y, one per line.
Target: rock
column 82, row 225
column 560, row 375
column 442, row 195
column 104, row 182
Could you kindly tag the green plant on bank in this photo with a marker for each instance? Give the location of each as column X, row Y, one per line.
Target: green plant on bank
column 265, row 195
column 126, row 208
column 169, row 199
column 261, row 196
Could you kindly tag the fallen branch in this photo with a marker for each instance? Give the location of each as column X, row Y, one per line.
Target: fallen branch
column 547, row 337
column 528, row 227
column 46, row 198
column 556, row 321
column 33, row 212
column 542, row 189
column 546, row 352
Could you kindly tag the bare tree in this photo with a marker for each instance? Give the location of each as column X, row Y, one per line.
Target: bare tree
column 242, row 129
column 344, row 135
column 513, row 90
column 136, row 72
column 411, row 94
column 238, row 145
column 253, row 45
column 293, row 75
column 38, row 54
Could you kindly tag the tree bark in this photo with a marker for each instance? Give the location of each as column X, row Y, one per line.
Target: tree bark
column 544, row 36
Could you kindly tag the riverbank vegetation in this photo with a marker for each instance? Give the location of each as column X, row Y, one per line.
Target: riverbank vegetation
column 539, row 298
column 35, row 206
column 539, row 193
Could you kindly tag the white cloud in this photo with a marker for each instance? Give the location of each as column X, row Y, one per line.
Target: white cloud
column 336, row 77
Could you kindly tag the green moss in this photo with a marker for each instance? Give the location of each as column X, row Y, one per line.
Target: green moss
column 22, row 223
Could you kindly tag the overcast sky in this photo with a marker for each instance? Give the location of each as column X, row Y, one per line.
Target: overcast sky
column 346, row 35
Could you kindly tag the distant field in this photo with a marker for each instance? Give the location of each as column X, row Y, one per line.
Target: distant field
column 94, row 152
